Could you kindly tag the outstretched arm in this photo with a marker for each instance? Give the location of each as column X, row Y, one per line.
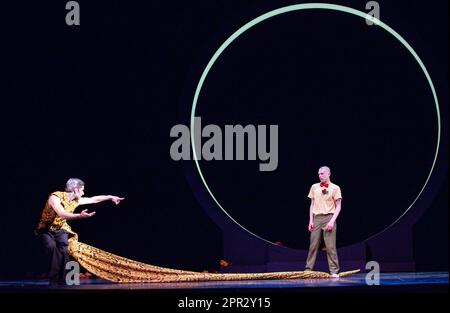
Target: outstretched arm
column 55, row 203
column 97, row 199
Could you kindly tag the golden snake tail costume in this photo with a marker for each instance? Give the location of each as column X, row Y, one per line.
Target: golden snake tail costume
column 119, row 269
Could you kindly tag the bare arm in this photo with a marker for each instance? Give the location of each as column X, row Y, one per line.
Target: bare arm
column 330, row 224
column 337, row 211
column 311, row 216
column 97, row 199
column 55, row 203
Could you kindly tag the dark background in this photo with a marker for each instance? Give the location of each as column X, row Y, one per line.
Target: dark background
column 97, row 101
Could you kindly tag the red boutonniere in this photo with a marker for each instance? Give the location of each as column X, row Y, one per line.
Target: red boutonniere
column 324, row 191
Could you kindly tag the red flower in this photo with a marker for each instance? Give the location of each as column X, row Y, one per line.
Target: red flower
column 324, row 191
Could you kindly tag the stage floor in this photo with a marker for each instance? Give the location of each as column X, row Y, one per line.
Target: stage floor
column 392, row 282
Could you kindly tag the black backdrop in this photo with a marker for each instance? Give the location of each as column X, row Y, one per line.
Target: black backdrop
column 98, row 101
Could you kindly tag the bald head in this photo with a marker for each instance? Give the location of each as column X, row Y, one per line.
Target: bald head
column 324, row 174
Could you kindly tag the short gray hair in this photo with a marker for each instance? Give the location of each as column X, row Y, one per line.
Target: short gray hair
column 73, row 183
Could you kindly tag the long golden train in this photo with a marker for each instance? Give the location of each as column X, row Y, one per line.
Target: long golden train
column 122, row 270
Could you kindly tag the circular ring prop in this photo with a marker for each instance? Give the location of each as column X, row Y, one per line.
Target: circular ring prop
column 298, row 7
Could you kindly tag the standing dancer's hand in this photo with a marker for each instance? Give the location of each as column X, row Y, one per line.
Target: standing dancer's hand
column 311, row 226
column 329, row 226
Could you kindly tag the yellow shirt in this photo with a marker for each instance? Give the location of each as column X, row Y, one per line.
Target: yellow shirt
column 50, row 220
column 324, row 203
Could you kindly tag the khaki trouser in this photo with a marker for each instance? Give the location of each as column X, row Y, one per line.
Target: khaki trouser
column 320, row 221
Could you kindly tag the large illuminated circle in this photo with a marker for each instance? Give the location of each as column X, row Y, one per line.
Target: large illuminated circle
column 298, row 7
